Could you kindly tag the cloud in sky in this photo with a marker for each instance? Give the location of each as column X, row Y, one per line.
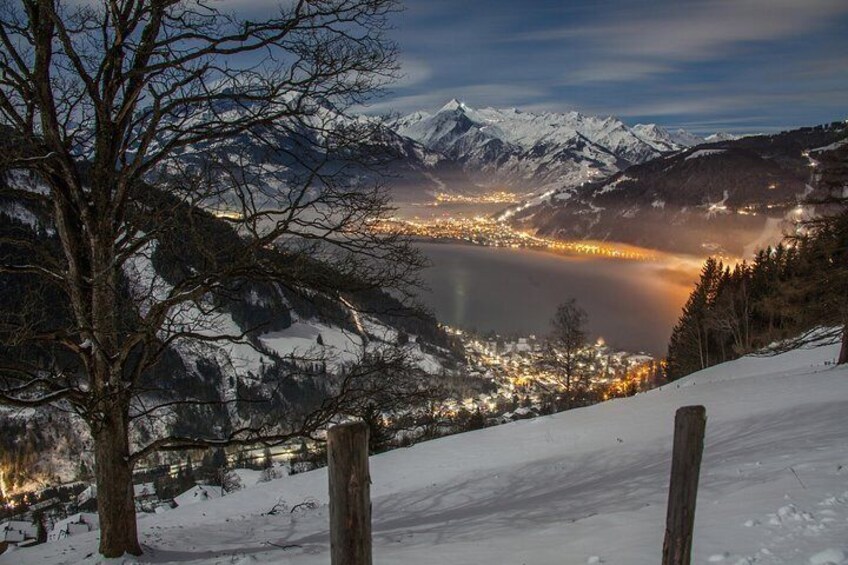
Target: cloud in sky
column 695, row 61
column 737, row 63
column 697, row 30
column 412, row 72
column 622, row 70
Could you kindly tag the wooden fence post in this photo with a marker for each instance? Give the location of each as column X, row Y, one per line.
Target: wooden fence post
column 350, row 494
column 689, row 425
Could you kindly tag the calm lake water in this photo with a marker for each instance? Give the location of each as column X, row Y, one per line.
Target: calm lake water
column 632, row 305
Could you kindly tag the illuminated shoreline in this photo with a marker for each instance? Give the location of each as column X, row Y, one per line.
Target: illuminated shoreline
column 486, row 232
column 500, row 197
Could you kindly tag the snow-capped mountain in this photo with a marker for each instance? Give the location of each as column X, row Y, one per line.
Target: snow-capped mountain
column 532, row 150
column 660, row 137
column 722, row 136
column 462, row 149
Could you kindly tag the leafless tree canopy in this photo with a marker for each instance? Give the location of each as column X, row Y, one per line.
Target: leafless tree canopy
column 565, row 347
column 133, row 122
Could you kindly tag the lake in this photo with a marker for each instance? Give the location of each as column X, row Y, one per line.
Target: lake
column 633, row 305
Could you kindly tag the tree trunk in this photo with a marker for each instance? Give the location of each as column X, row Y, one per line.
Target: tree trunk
column 110, row 424
column 843, row 352
column 115, row 500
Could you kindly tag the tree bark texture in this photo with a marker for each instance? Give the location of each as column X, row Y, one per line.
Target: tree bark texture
column 115, row 501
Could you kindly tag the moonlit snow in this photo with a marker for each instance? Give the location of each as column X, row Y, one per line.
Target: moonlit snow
column 585, row 486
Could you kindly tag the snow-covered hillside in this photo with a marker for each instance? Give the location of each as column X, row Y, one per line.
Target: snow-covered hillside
column 728, row 196
column 585, row 486
column 657, row 134
column 284, row 346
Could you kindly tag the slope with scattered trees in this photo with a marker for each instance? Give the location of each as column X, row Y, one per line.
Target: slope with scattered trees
column 788, row 295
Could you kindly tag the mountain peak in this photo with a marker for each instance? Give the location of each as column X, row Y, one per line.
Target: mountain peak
column 548, row 147
column 453, row 105
column 721, row 136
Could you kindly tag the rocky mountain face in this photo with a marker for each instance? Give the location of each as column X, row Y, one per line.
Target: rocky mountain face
column 529, row 151
column 460, row 149
column 728, row 196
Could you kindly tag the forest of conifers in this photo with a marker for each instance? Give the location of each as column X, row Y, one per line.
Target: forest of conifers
column 787, row 296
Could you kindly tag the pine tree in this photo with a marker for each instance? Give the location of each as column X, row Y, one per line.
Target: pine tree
column 689, row 348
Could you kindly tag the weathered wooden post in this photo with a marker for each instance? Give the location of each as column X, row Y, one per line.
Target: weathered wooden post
column 689, row 425
column 350, row 494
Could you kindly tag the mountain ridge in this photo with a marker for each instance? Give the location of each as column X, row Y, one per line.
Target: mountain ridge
column 721, row 197
column 530, row 149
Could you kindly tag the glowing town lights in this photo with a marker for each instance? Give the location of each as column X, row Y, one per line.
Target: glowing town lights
column 227, row 214
column 493, row 233
column 500, row 197
column 514, row 366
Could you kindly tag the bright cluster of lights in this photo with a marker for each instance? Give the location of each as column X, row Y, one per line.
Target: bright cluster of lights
column 227, row 215
column 500, row 197
column 514, row 366
column 492, row 233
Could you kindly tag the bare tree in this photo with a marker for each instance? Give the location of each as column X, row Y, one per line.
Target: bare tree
column 564, row 350
column 136, row 118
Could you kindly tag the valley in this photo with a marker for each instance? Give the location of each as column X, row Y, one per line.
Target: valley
column 377, row 281
column 487, row 276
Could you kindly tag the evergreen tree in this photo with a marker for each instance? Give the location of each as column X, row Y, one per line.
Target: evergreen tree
column 790, row 295
column 689, row 347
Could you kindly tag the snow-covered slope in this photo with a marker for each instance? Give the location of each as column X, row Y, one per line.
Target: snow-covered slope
column 292, row 348
column 527, row 149
column 655, row 134
column 722, row 136
column 726, row 196
column 585, row 486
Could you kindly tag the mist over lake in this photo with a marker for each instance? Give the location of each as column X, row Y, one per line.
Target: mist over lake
column 631, row 304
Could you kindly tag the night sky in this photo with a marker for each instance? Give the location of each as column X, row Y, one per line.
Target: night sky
column 706, row 65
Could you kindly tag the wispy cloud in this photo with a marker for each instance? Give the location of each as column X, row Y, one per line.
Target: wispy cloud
column 413, row 72
column 616, row 71
column 686, row 31
column 669, row 61
column 729, row 103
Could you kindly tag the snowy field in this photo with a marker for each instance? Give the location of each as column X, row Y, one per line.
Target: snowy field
column 586, row 486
